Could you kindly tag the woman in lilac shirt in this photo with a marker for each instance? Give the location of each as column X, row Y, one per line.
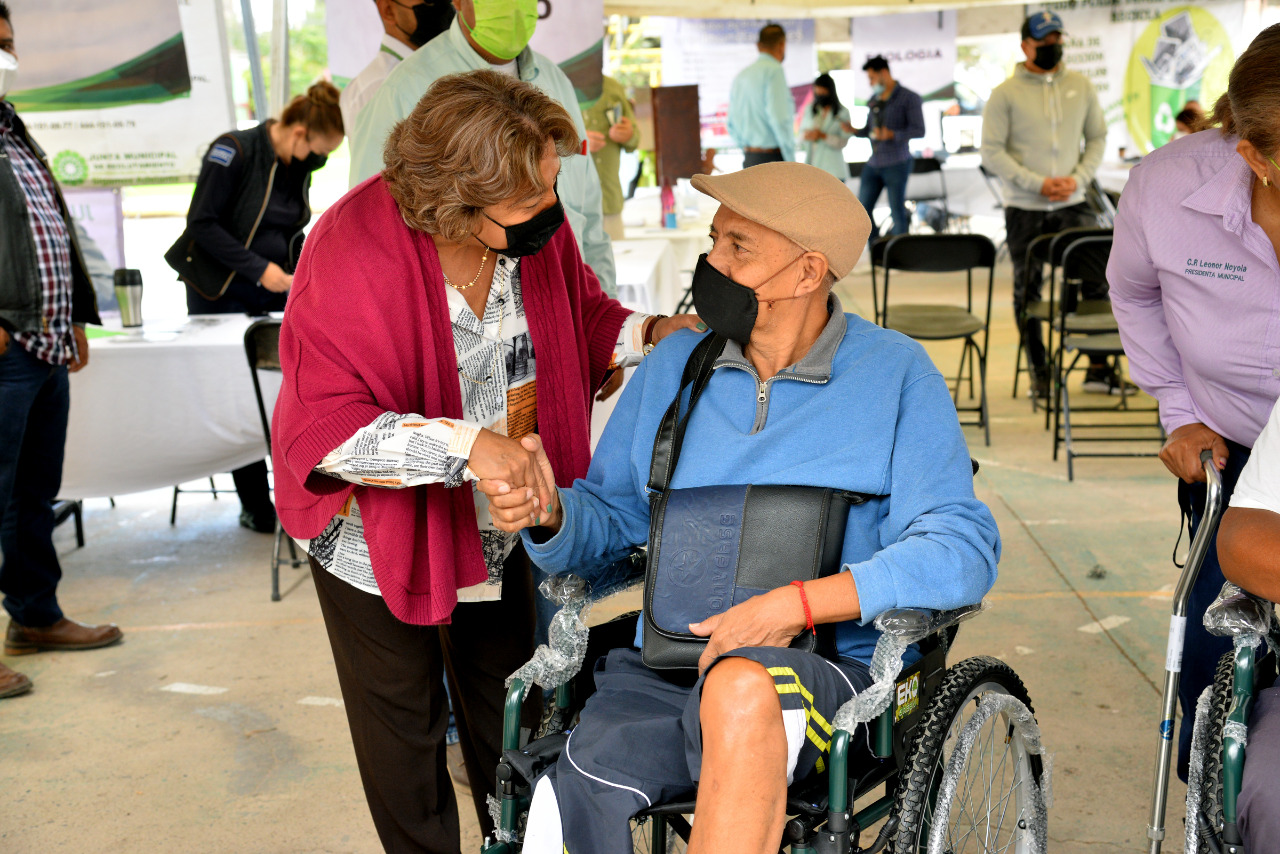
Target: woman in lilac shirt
column 1195, row 286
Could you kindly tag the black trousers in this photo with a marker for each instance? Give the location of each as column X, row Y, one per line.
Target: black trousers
column 755, row 158
column 1201, row 650
column 1021, row 227
column 393, row 685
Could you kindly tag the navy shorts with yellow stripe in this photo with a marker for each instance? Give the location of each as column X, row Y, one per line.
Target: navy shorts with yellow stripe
column 639, row 744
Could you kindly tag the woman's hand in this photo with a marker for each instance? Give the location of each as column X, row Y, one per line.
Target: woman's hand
column 770, row 619
column 664, row 326
column 517, row 506
column 1181, row 451
column 275, row 279
column 814, row 135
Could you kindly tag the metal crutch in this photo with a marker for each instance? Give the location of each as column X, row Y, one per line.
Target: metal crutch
column 1173, row 653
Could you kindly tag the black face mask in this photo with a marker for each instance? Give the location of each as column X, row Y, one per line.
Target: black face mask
column 1048, row 56
column 530, row 236
column 824, row 100
column 730, row 309
column 433, row 19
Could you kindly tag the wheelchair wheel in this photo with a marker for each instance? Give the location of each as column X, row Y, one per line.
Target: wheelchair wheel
column 642, row 838
column 997, row 795
column 1211, row 782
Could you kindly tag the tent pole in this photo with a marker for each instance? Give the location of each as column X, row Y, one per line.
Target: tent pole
column 279, row 56
column 255, row 62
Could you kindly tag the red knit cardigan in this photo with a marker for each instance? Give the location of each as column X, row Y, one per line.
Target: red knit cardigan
column 367, row 331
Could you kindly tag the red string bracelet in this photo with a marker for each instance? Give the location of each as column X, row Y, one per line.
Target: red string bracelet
column 804, row 600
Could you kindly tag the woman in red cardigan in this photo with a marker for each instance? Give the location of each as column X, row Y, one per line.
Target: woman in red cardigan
column 440, row 313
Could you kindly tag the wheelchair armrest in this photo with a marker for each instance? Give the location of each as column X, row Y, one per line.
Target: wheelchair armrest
column 916, row 624
column 511, row 715
column 1237, row 613
column 536, row 756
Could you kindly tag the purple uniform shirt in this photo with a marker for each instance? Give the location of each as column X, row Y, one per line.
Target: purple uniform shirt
column 1195, row 286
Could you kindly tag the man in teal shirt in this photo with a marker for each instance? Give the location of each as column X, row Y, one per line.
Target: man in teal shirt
column 482, row 36
column 762, row 112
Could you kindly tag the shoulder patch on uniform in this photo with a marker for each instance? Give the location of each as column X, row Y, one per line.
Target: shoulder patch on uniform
column 222, row 154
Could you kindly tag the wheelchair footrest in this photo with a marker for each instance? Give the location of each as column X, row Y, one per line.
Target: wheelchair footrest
column 536, row 756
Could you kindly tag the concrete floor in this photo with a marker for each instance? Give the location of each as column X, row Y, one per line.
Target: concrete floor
column 104, row 754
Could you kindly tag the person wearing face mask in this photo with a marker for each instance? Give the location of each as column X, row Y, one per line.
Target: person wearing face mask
column 894, row 116
column 789, row 365
column 762, row 112
column 440, row 317
column 491, row 34
column 406, row 26
column 1195, row 286
column 46, row 298
column 244, row 232
column 1043, row 133
column 822, row 129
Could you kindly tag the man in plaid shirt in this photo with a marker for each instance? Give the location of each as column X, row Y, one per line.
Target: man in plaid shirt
column 46, row 297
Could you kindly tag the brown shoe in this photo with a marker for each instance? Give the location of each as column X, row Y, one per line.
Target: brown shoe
column 64, row 634
column 13, row 683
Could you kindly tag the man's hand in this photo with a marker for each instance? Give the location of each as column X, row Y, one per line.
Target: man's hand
column 4, row 340
column 611, row 385
column 276, row 279
column 514, row 508
column 1058, row 189
column 882, row 134
column 595, row 141
column 664, row 326
column 1181, row 451
column 622, row 132
column 770, row 619
column 82, row 349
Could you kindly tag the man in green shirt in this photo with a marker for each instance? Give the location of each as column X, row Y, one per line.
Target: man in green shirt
column 611, row 129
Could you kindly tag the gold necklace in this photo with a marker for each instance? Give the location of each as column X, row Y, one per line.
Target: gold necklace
column 483, row 260
column 493, row 369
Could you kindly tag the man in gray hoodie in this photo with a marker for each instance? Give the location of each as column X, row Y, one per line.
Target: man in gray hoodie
column 1043, row 133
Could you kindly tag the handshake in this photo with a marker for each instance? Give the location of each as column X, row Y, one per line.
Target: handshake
column 1058, row 189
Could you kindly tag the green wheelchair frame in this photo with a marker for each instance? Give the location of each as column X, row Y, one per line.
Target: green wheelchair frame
column 823, row 822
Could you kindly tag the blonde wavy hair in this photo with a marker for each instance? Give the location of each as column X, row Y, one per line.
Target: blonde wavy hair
column 474, row 140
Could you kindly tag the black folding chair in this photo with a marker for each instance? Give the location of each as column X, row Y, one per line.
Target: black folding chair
column 1090, row 331
column 944, row 253
column 928, row 185
column 262, row 349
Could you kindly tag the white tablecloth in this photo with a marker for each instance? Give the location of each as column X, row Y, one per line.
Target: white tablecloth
column 648, row 278
column 168, row 404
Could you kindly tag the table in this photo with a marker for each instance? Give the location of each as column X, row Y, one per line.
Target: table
column 647, row 275
column 170, row 403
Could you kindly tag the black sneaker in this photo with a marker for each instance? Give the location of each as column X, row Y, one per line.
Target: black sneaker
column 1104, row 379
column 260, row 522
column 1039, row 388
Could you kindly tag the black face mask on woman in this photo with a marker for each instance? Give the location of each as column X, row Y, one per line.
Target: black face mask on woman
column 530, row 236
column 730, row 309
column 1048, row 56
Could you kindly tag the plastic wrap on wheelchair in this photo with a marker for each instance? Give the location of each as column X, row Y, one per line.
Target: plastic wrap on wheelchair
column 927, row 722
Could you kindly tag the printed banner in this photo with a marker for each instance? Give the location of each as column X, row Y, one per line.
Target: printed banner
column 1148, row 58
column 566, row 35
column 920, row 48
column 122, row 91
column 710, row 53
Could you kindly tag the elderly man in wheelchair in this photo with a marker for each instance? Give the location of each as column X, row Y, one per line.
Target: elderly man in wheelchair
column 1234, row 804
column 794, row 473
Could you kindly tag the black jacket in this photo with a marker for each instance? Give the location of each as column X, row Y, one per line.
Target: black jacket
column 239, row 172
column 21, row 298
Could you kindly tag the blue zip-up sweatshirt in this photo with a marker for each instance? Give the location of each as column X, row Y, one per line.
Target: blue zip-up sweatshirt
column 865, row 410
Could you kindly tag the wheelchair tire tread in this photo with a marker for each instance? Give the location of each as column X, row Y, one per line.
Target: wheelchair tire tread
column 1211, row 783
column 912, row 793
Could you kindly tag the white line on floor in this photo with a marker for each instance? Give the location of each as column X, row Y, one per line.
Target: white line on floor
column 320, row 701
column 189, row 688
column 1105, row 624
column 1023, row 650
column 105, row 673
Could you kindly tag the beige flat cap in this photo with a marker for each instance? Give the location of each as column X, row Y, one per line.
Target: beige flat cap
column 804, row 203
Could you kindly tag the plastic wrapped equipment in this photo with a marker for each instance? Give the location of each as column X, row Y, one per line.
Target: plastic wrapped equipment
column 495, row 813
column 1041, row 795
column 556, row 662
column 1236, row 613
column 899, row 628
column 1195, row 772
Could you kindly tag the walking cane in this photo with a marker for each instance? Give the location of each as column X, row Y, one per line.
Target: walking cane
column 1173, row 653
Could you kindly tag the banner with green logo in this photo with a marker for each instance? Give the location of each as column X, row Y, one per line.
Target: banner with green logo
column 1149, row 60
column 122, row 91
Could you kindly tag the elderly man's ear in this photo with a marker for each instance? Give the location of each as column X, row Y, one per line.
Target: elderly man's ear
column 813, row 268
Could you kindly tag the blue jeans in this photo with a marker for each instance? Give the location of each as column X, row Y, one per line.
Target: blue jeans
column 34, row 401
column 892, row 178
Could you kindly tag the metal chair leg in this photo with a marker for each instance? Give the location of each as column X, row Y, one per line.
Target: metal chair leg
column 213, row 488
column 78, row 514
column 982, row 385
column 173, row 511
column 275, row 565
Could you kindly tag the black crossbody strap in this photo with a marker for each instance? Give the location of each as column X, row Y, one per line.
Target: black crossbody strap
column 666, row 445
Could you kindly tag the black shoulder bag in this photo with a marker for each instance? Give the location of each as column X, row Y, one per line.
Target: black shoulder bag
column 712, row 547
